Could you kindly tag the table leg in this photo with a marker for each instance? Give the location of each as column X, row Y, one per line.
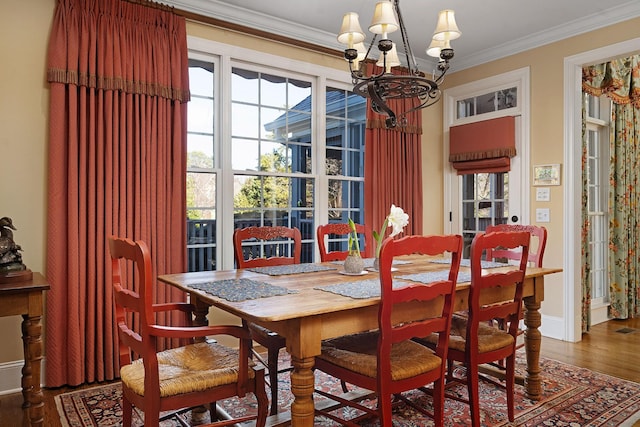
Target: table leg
column 302, row 384
column 532, row 341
column 31, row 391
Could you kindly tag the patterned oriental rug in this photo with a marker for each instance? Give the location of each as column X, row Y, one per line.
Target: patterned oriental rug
column 572, row 397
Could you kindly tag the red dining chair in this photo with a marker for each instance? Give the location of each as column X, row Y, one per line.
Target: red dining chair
column 387, row 361
column 334, row 230
column 473, row 340
column 267, row 246
column 195, row 374
column 538, row 242
column 536, row 250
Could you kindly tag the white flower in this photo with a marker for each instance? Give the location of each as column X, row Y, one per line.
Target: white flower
column 398, row 220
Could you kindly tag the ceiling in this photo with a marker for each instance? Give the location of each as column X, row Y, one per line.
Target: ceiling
column 491, row 29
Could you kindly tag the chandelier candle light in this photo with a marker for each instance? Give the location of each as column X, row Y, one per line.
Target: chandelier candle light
column 385, row 86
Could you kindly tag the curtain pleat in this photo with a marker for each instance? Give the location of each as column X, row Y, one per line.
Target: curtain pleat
column 118, row 73
column 393, row 167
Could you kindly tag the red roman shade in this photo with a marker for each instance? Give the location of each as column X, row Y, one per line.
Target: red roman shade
column 483, row 147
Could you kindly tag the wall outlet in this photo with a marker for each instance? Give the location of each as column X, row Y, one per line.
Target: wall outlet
column 542, row 215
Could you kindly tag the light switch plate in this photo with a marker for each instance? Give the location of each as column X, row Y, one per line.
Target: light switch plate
column 542, row 194
column 542, row 215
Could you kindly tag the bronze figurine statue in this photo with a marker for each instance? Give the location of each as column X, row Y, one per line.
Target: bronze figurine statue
column 10, row 257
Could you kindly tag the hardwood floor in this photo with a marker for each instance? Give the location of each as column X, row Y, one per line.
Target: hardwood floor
column 611, row 348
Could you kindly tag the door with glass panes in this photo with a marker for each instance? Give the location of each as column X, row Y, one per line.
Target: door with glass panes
column 475, row 201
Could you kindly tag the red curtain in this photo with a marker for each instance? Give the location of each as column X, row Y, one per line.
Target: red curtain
column 393, row 166
column 118, row 74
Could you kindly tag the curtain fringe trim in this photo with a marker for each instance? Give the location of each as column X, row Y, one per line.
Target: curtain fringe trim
column 380, row 124
column 480, row 155
column 117, row 84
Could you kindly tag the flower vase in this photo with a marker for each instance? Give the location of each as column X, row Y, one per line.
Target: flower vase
column 376, row 264
column 353, row 264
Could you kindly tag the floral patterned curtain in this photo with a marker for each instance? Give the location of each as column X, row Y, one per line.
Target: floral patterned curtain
column 586, row 237
column 619, row 79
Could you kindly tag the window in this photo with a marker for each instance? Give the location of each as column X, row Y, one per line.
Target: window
column 201, row 173
column 271, row 141
column 287, row 150
column 344, row 161
column 488, row 102
column 485, row 198
column 597, row 111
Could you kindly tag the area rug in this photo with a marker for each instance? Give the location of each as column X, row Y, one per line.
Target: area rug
column 572, row 397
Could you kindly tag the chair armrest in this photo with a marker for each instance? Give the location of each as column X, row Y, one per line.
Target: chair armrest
column 180, row 306
column 199, row 331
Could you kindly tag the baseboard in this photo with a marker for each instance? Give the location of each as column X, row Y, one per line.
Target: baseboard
column 553, row 327
column 11, row 376
column 599, row 314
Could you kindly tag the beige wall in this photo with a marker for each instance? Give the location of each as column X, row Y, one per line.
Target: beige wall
column 24, row 29
column 24, row 100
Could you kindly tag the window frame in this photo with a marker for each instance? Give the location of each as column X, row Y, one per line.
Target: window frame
column 228, row 57
column 599, row 219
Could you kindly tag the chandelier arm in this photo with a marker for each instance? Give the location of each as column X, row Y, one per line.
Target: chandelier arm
column 380, row 104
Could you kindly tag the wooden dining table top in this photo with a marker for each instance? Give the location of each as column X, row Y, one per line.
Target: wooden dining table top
column 307, row 299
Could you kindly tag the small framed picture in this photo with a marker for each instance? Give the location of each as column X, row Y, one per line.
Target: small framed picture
column 546, row 175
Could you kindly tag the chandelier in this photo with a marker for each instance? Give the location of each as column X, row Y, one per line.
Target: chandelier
column 384, row 86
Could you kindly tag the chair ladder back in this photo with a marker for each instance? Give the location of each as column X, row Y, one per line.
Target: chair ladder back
column 506, row 283
column 271, row 246
column 332, row 231
column 445, row 289
column 538, row 233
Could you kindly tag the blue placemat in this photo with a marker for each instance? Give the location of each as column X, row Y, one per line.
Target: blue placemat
column 361, row 289
column 368, row 262
column 435, row 276
column 278, row 270
column 467, row 263
column 236, row 290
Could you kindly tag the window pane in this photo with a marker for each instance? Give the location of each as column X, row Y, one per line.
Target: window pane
column 244, row 86
column 466, row 108
column 273, row 91
column 486, row 103
column 274, row 125
column 336, row 103
column 244, row 121
column 200, row 115
column 200, row 78
column 245, row 154
column 200, row 151
column 299, row 95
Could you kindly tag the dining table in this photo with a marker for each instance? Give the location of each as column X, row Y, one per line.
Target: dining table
column 307, row 303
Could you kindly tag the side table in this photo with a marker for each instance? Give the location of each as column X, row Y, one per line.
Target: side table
column 26, row 299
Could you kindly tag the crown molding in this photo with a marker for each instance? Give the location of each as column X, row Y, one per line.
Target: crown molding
column 230, row 13
column 570, row 29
